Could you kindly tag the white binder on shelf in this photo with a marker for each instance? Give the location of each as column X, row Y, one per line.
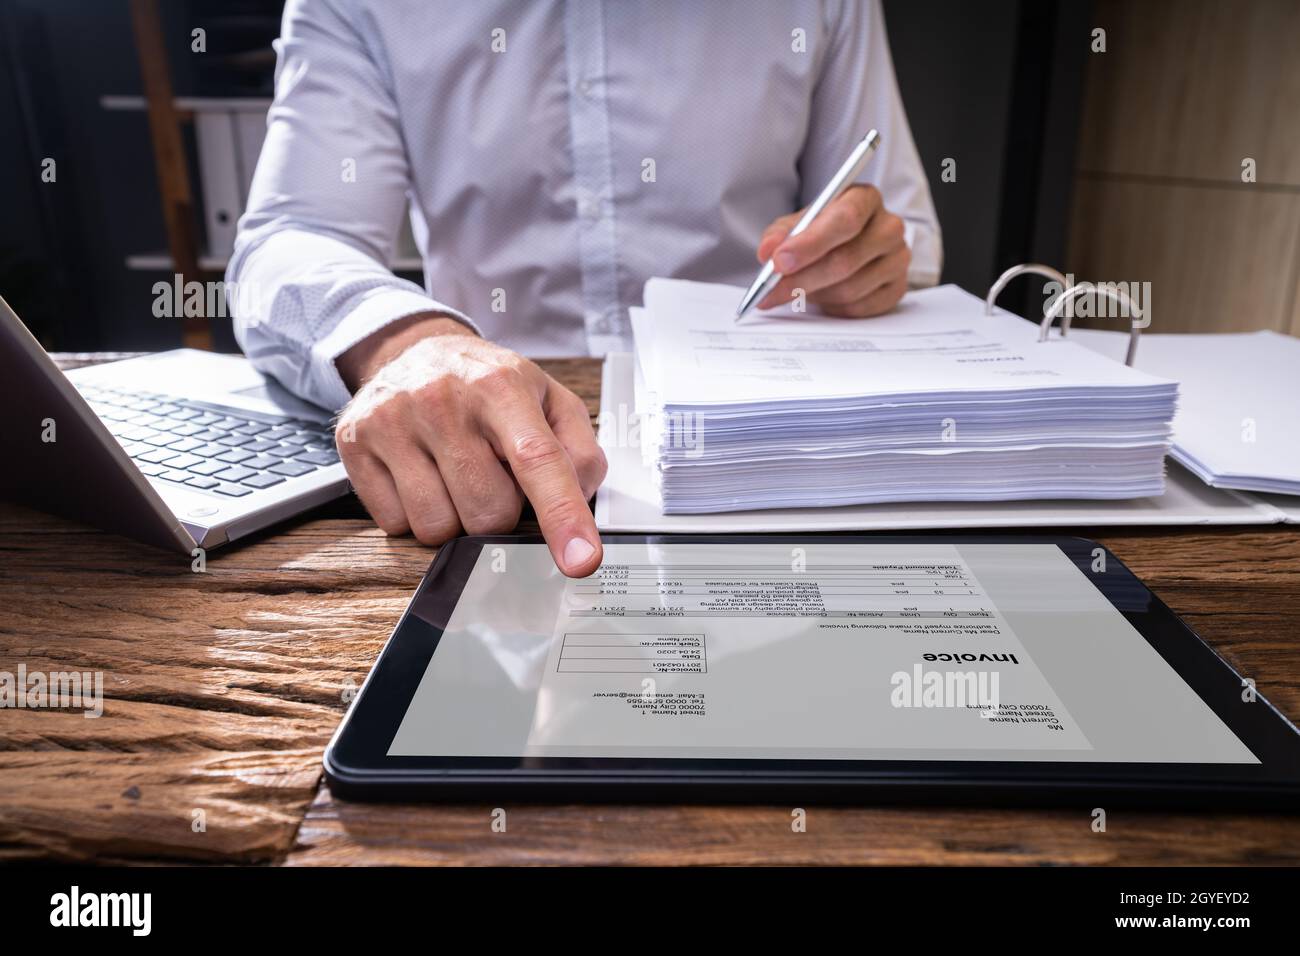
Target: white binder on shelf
column 220, row 179
column 250, row 132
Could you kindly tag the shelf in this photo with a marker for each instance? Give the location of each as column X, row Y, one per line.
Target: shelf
column 162, row 262
column 192, row 104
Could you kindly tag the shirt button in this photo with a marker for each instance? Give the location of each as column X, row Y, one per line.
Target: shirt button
column 586, row 87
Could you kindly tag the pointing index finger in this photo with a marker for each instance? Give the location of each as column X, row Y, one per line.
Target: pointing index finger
column 548, row 479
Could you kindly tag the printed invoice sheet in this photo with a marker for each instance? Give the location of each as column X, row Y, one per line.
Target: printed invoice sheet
column 826, row 651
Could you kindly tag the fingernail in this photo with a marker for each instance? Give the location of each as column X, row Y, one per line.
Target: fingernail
column 785, row 261
column 577, row 552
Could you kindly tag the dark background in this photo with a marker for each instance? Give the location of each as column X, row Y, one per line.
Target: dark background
column 996, row 84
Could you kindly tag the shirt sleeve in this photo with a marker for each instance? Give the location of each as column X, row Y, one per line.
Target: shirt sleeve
column 308, row 278
column 856, row 91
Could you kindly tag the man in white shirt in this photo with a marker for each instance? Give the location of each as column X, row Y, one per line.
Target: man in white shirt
column 554, row 155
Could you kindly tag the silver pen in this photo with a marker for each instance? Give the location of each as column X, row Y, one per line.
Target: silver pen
column 768, row 277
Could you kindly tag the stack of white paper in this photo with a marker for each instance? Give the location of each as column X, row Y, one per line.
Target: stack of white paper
column 935, row 402
column 629, row 501
column 1239, row 398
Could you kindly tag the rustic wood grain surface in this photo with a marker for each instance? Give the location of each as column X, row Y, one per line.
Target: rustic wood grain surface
column 222, row 689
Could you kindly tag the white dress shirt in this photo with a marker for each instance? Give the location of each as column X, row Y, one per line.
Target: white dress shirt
column 555, row 154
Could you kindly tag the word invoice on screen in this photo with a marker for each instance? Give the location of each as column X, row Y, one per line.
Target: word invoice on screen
column 825, row 651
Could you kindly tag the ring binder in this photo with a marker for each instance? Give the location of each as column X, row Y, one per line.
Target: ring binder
column 1068, row 292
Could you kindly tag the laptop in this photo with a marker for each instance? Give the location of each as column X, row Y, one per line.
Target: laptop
column 182, row 449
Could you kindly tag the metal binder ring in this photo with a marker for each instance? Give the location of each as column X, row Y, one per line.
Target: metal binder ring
column 1037, row 268
column 1115, row 294
column 1110, row 291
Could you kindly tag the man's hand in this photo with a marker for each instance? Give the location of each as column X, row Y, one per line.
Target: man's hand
column 448, row 432
column 852, row 261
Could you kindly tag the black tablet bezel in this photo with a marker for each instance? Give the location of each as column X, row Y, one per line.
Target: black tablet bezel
column 358, row 767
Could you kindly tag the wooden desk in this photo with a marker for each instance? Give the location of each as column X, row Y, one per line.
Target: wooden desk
column 223, row 688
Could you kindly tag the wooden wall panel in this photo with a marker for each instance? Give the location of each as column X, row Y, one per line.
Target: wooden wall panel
column 1188, row 88
column 1184, row 92
column 1219, row 260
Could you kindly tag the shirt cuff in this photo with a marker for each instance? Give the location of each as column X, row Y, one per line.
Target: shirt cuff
column 924, row 270
column 379, row 308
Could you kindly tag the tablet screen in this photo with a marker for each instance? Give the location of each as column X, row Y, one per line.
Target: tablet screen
column 852, row 651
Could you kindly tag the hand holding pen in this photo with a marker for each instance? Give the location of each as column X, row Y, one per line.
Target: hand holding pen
column 845, row 250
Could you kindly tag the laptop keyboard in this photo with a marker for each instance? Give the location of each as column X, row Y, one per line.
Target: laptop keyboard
column 217, row 449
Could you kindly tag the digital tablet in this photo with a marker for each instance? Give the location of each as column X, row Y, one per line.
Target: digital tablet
column 991, row 669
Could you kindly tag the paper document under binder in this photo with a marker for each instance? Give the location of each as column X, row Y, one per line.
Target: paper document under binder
column 1236, row 425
